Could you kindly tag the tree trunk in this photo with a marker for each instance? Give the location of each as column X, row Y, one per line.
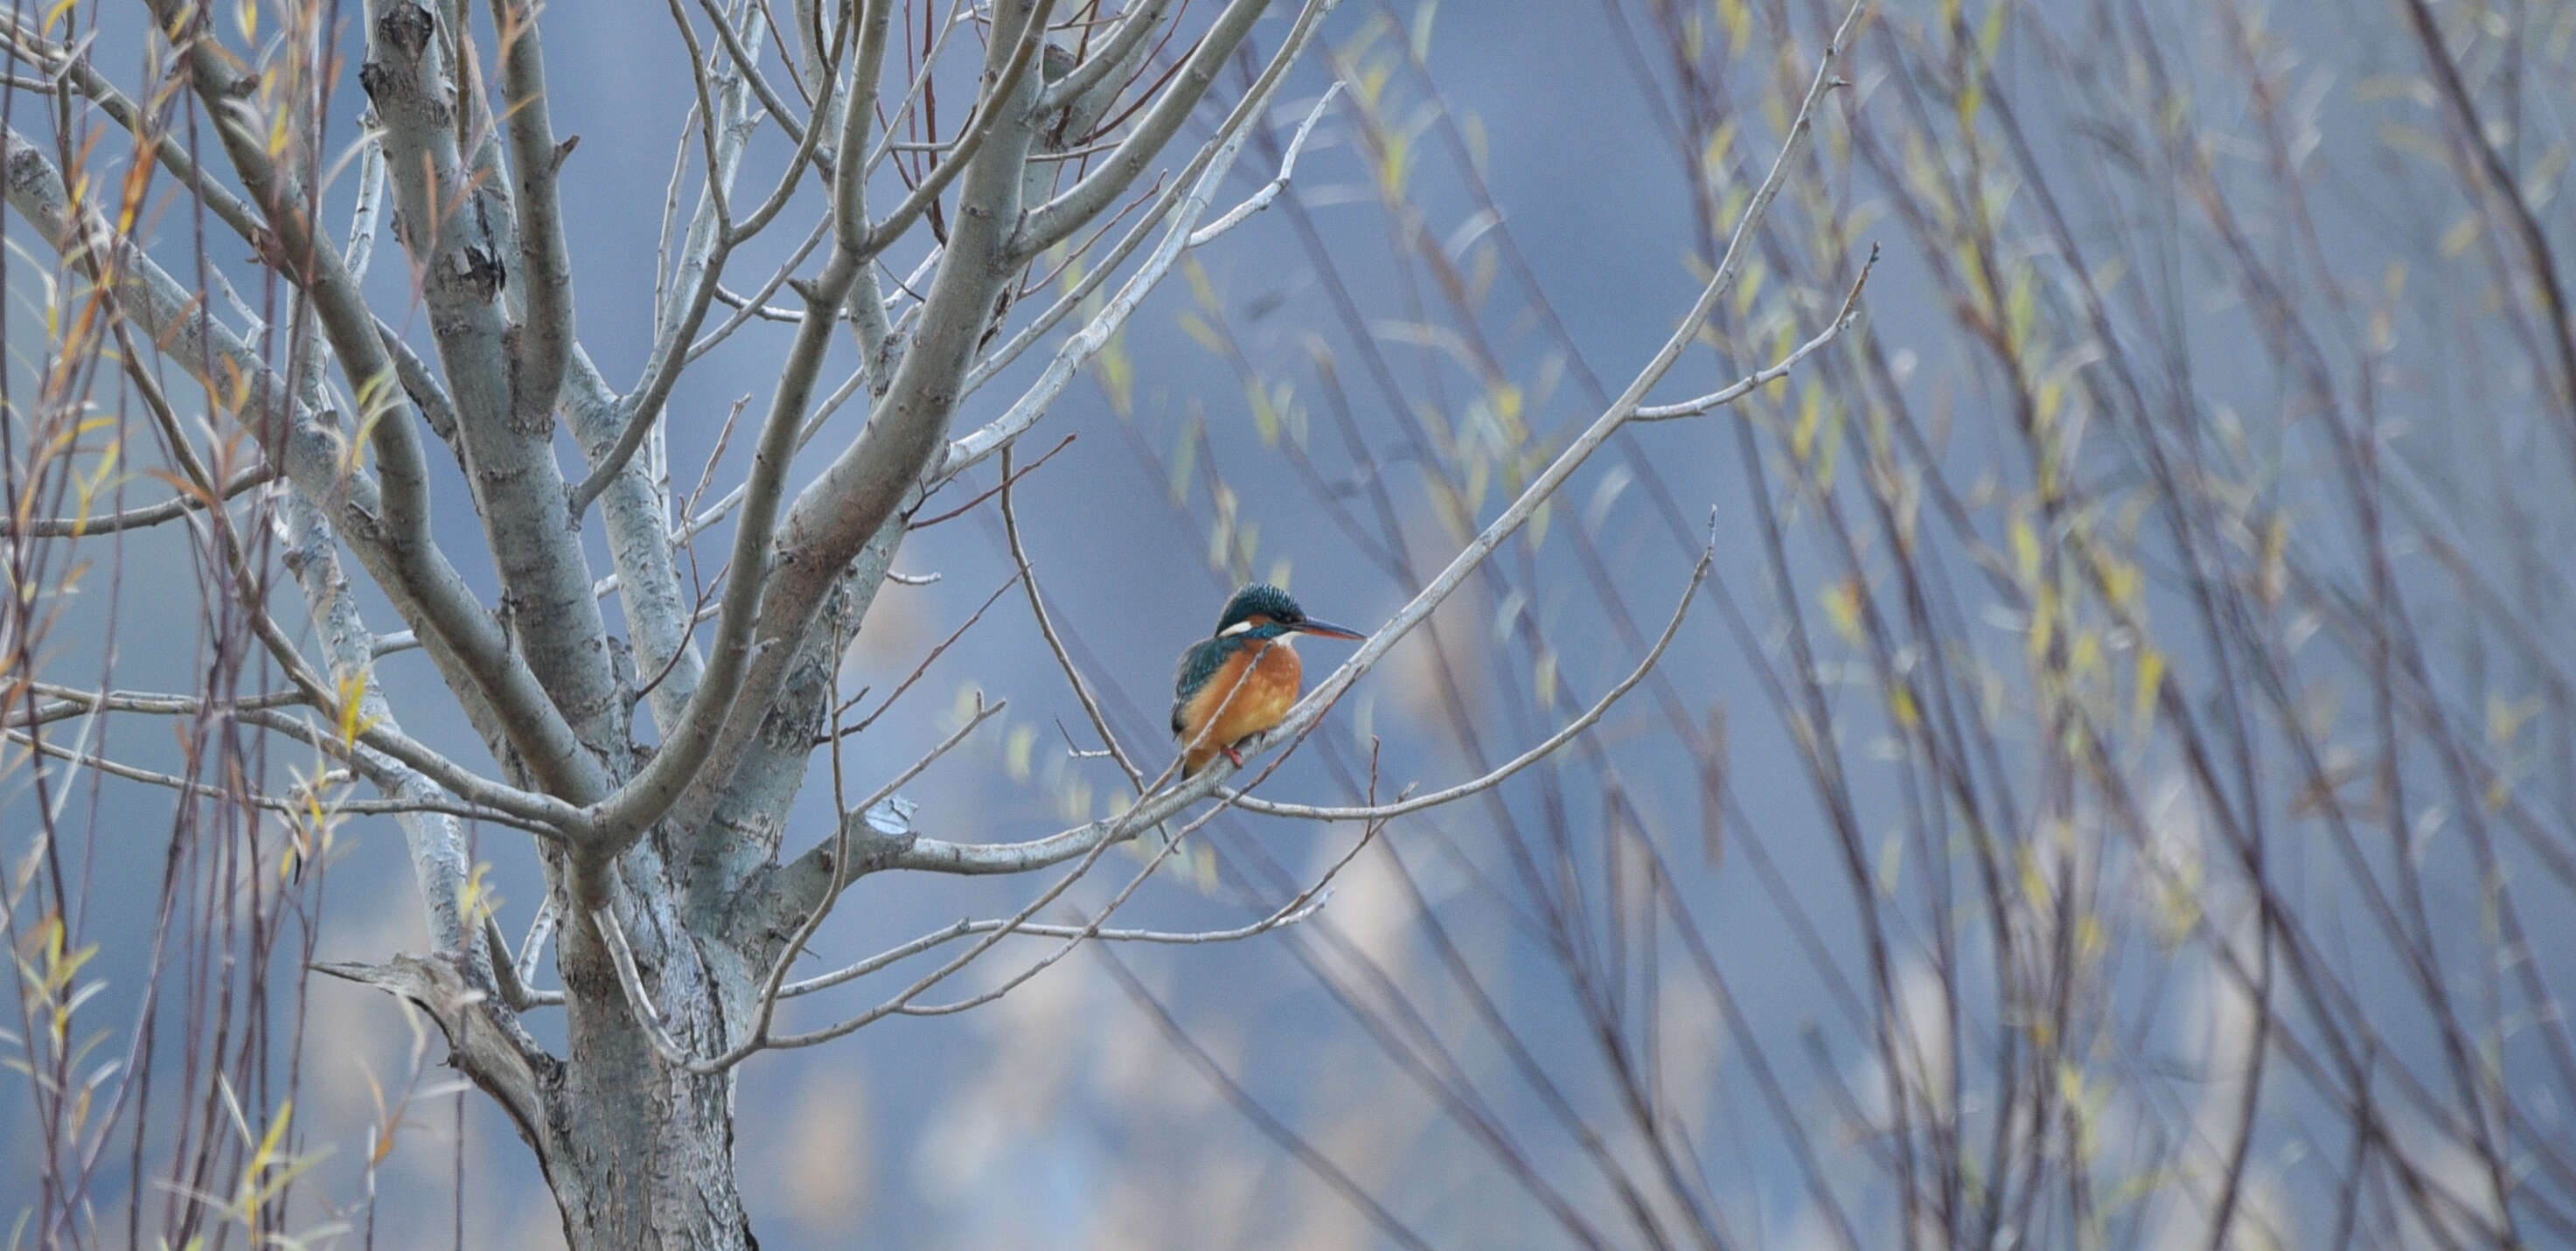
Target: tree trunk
column 638, row 1151
column 647, row 1161
column 641, row 1153
column 644, row 1158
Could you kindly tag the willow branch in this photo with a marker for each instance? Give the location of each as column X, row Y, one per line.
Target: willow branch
column 295, row 807
column 170, row 509
column 384, row 516
column 72, row 702
column 1782, row 368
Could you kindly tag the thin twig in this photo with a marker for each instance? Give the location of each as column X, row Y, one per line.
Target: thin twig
column 1046, row 624
column 1591, row 716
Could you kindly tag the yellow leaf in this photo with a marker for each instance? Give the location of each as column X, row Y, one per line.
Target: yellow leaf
column 1811, row 412
column 276, row 1130
column 1748, row 287
column 2034, row 884
column 1833, row 446
column 2505, row 718
column 2120, row 581
column 1265, row 418
column 1116, row 373
column 1016, row 750
column 2025, row 546
column 2021, row 308
column 1842, row 607
column 2270, row 573
column 1200, row 288
column 2462, row 234
column 1391, row 165
column 353, row 692
column 1990, row 33
column 2086, row 654
column 1197, row 328
column 2150, row 682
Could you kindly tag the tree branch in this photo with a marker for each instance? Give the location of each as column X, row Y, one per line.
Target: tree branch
column 72, row 702
column 543, row 341
column 1056, row 220
column 450, row 220
column 1299, row 909
column 770, row 601
column 385, row 519
column 135, row 518
column 703, row 253
column 1046, row 629
column 1733, row 391
column 633, row 505
column 1116, row 56
column 2506, row 191
column 1567, row 734
column 437, row 851
column 486, row 1040
column 1079, row 347
column 930, row 855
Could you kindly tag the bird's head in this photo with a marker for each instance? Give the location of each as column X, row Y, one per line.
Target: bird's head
column 1263, row 611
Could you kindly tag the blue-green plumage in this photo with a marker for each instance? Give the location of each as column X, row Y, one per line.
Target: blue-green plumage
column 1260, row 600
column 1200, row 663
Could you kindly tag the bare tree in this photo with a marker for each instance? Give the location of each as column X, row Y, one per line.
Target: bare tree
column 677, row 897
column 2109, row 782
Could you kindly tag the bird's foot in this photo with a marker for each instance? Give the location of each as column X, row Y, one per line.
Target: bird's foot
column 1233, row 755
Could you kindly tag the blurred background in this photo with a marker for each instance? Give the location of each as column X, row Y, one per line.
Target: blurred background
column 2116, row 788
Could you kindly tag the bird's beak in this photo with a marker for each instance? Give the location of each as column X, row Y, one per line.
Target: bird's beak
column 1327, row 629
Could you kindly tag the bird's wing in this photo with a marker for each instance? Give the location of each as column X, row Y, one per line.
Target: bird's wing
column 1198, row 665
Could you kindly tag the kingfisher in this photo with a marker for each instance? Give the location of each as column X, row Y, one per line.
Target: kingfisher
column 1243, row 680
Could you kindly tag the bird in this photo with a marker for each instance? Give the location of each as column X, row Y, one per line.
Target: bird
column 1245, row 678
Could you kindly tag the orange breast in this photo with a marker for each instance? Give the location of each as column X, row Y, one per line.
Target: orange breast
column 1257, row 687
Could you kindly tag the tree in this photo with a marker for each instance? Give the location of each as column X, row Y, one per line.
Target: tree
column 683, row 901
column 2108, row 784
